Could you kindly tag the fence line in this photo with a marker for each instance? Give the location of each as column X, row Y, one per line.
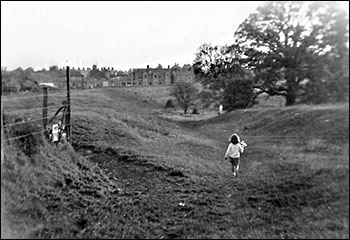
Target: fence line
column 22, row 136
column 31, row 109
column 23, row 122
column 27, row 97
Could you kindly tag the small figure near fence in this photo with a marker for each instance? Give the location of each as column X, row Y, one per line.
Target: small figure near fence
column 233, row 152
column 53, row 133
column 58, row 131
column 221, row 109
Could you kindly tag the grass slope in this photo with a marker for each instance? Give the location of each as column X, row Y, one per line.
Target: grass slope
column 136, row 174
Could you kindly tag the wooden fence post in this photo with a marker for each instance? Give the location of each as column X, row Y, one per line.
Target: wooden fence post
column 45, row 108
column 2, row 138
column 68, row 107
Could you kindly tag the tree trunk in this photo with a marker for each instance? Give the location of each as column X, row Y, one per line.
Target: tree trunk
column 292, row 83
column 290, row 98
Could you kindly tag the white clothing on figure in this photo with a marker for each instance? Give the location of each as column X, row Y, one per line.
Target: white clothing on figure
column 234, row 150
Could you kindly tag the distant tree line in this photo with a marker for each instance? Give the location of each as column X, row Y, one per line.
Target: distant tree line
column 18, row 80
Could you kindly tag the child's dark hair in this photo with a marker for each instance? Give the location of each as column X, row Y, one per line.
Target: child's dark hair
column 234, row 139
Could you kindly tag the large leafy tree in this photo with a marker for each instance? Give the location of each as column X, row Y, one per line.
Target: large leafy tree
column 289, row 44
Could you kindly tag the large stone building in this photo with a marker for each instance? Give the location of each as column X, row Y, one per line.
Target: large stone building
column 160, row 76
column 184, row 74
column 150, row 76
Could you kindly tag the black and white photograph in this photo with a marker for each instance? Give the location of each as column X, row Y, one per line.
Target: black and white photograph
column 175, row 119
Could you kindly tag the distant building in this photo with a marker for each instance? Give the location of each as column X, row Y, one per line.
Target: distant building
column 160, row 76
column 150, row 76
column 108, row 77
column 76, row 79
column 184, row 75
column 48, row 78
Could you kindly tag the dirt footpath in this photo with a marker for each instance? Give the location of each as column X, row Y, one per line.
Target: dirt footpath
column 155, row 202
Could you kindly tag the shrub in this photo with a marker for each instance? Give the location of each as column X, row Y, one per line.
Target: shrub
column 169, row 104
column 238, row 94
column 195, row 111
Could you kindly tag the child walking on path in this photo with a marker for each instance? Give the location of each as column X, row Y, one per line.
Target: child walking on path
column 233, row 152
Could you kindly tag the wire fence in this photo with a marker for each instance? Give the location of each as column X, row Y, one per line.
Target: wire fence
column 26, row 135
column 17, row 110
column 11, row 97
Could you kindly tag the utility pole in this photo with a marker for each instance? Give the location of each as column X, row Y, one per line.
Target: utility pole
column 68, row 125
column 45, row 107
column 2, row 139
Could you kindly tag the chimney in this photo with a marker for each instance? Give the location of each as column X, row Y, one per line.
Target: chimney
column 168, row 66
column 147, row 67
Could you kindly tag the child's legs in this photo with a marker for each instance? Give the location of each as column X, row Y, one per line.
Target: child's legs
column 235, row 164
column 232, row 164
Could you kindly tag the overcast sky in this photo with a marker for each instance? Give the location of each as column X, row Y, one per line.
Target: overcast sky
column 117, row 34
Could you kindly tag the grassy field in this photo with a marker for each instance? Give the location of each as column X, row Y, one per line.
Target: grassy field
column 135, row 170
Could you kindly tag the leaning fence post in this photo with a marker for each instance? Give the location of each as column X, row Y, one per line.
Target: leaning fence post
column 45, row 108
